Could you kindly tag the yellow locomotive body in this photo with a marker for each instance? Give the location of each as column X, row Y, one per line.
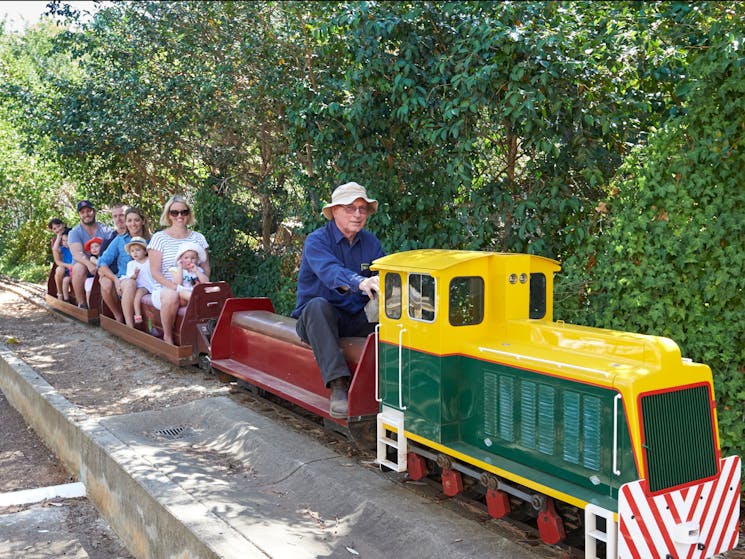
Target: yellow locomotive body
column 474, row 372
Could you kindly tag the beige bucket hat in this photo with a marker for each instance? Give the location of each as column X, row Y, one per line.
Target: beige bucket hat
column 346, row 194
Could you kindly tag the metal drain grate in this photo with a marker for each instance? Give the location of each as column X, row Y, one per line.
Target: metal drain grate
column 174, row 433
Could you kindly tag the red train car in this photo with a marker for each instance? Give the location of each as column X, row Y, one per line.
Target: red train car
column 254, row 344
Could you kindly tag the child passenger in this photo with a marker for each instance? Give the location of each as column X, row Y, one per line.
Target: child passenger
column 138, row 269
column 93, row 248
column 188, row 273
column 64, row 261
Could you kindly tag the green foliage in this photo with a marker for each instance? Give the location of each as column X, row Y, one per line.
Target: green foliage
column 33, row 273
column 274, row 277
column 670, row 257
column 502, row 119
column 31, row 189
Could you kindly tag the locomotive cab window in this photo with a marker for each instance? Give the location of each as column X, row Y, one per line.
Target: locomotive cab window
column 392, row 290
column 466, row 301
column 537, row 295
column 422, row 297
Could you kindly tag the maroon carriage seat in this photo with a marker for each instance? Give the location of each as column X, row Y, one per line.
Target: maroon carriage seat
column 254, row 344
column 283, row 328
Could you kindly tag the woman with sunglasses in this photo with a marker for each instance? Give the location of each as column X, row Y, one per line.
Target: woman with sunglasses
column 163, row 250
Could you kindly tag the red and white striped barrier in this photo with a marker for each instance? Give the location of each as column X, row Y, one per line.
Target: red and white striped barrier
column 691, row 523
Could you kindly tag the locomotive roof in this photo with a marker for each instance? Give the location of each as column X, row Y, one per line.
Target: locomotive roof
column 442, row 259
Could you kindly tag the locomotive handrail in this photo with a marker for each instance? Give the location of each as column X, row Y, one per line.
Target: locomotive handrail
column 377, row 363
column 558, row 364
column 616, row 471
column 400, row 368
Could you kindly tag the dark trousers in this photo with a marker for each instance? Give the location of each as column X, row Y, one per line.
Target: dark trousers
column 321, row 325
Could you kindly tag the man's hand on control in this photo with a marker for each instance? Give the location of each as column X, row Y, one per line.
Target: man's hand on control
column 370, row 286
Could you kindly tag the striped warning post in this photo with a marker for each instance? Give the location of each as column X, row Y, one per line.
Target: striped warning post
column 692, row 523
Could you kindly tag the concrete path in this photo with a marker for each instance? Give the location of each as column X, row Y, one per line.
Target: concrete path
column 214, row 479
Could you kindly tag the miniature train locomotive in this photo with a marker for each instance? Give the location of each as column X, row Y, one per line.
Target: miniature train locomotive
column 469, row 374
column 467, row 370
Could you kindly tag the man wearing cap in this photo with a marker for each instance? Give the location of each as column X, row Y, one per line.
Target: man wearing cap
column 335, row 284
column 79, row 235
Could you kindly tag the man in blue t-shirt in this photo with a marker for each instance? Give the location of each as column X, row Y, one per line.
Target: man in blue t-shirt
column 79, row 235
column 335, row 284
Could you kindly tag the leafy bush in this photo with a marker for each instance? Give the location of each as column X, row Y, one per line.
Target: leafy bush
column 671, row 258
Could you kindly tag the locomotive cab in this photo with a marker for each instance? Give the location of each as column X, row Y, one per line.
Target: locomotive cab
column 436, row 303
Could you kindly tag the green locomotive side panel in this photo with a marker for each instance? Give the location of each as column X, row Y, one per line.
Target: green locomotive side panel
column 420, row 389
column 550, row 424
column 554, row 426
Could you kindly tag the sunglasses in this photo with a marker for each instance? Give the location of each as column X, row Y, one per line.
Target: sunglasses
column 174, row 213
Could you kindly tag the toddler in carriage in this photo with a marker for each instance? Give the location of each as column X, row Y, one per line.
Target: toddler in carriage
column 187, row 272
column 138, row 270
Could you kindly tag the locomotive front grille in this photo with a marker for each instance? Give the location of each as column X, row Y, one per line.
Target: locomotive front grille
column 679, row 440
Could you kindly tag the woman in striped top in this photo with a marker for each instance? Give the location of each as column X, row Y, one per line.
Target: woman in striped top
column 163, row 249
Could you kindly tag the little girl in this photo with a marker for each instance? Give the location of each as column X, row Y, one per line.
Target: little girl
column 138, row 269
column 93, row 247
column 187, row 272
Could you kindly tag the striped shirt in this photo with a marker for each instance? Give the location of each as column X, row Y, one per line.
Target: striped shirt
column 168, row 246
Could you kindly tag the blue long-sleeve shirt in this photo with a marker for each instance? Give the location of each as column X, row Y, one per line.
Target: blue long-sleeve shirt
column 333, row 269
column 115, row 257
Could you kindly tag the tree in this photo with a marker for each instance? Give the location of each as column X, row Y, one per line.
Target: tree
column 33, row 189
column 504, row 120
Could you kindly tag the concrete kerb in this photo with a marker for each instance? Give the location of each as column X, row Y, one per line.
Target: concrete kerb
column 122, row 486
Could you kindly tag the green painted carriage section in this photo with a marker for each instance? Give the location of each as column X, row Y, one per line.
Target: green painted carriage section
column 545, row 428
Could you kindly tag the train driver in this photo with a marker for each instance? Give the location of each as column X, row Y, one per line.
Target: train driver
column 334, row 285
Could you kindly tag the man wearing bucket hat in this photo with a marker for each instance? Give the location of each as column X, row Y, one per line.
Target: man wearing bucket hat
column 334, row 285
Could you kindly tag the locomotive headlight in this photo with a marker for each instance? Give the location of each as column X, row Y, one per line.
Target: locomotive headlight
column 523, row 277
column 513, row 278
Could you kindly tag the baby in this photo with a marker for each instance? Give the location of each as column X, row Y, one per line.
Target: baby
column 187, row 272
column 138, row 269
column 93, row 247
